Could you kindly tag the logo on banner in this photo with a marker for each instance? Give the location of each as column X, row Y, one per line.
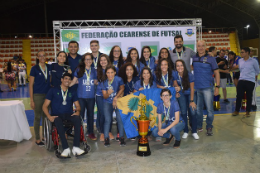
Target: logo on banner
column 154, row 49
column 128, row 49
column 68, row 35
column 189, row 32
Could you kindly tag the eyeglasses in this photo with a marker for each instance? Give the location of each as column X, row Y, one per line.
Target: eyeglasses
column 165, row 95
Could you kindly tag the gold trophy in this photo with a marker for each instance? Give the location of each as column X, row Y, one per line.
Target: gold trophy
column 143, row 148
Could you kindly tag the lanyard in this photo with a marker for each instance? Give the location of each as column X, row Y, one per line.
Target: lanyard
column 180, row 57
column 115, row 65
column 95, row 62
column 109, row 84
column 148, row 86
column 165, row 80
column 131, row 90
column 64, row 96
column 168, row 112
column 45, row 73
column 88, row 74
column 180, row 81
column 148, row 63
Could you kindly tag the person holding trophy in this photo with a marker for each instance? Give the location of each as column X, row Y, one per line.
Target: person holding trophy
column 170, row 123
column 57, row 69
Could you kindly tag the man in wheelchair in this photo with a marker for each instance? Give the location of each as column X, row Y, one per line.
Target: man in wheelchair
column 61, row 100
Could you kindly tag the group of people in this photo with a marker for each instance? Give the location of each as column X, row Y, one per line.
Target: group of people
column 102, row 79
column 13, row 69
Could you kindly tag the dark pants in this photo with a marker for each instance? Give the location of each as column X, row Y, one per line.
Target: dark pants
column 100, row 113
column 242, row 87
column 89, row 105
column 61, row 131
column 229, row 78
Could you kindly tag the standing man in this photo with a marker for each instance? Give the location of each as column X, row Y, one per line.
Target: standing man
column 181, row 52
column 223, row 70
column 249, row 69
column 254, row 107
column 94, row 47
column 204, row 67
column 213, row 51
column 61, row 100
column 74, row 58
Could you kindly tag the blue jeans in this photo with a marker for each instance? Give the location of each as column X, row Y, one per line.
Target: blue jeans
column 100, row 113
column 184, row 102
column 89, row 105
column 61, row 131
column 108, row 112
column 205, row 95
column 175, row 130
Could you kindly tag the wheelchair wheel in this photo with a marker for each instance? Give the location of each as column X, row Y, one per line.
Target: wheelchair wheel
column 86, row 147
column 48, row 134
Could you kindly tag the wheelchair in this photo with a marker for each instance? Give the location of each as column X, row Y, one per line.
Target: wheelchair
column 51, row 136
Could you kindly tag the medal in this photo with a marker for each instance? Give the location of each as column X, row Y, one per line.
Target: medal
column 148, row 63
column 95, row 62
column 168, row 112
column 45, row 73
column 64, row 103
column 88, row 76
column 110, row 84
column 180, row 57
column 165, row 80
column 64, row 96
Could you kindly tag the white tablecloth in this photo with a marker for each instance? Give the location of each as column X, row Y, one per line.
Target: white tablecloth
column 13, row 122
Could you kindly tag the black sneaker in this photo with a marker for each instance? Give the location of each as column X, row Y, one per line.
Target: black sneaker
column 117, row 137
column 122, row 142
column 177, row 144
column 253, row 107
column 209, row 132
column 107, row 142
column 40, row 144
column 226, row 100
column 168, row 140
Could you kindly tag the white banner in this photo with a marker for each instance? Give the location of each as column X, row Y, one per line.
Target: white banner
column 127, row 38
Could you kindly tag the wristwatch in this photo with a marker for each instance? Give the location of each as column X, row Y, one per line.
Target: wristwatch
column 191, row 101
column 217, row 86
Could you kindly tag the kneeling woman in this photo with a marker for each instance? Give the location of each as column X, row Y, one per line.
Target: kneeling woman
column 112, row 89
column 173, row 123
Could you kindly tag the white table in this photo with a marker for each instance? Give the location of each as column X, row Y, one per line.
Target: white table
column 13, row 122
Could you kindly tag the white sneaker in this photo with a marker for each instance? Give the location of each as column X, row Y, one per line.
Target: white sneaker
column 195, row 136
column 77, row 151
column 66, row 153
column 185, row 135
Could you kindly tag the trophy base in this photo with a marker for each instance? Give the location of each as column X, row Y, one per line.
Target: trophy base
column 143, row 149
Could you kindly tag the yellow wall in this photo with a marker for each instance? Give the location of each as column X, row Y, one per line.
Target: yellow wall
column 27, row 54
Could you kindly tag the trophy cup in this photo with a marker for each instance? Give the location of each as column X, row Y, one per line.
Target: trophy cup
column 216, row 103
column 143, row 148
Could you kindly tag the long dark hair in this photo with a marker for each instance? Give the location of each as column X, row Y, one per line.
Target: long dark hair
column 9, row 67
column 82, row 65
column 100, row 73
column 129, row 59
column 185, row 76
column 37, row 60
column 142, row 59
column 158, row 71
column 108, row 67
column 168, row 58
column 111, row 56
column 66, row 61
column 231, row 62
column 122, row 71
column 151, row 76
